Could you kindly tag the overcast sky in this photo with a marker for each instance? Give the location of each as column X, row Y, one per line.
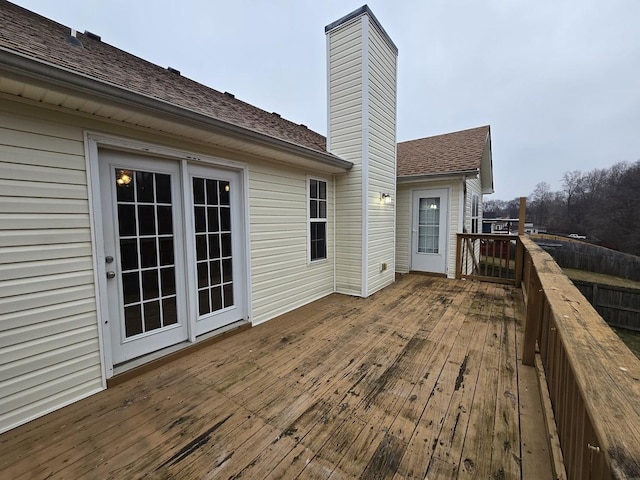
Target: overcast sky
column 557, row 80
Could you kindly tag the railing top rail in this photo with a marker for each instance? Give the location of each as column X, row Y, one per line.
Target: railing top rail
column 490, row 236
column 606, row 371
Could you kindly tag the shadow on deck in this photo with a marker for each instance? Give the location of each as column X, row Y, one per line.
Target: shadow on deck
column 421, row 380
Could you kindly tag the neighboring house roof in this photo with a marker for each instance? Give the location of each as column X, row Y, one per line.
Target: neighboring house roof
column 49, row 43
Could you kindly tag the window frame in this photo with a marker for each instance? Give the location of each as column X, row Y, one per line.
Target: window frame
column 475, row 213
column 314, row 220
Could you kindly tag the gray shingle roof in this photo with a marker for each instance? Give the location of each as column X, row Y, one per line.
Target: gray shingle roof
column 40, row 38
column 449, row 153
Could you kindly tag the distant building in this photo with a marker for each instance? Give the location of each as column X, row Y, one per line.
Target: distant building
column 509, row 226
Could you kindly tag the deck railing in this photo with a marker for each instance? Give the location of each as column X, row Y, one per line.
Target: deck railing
column 592, row 378
column 493, row 258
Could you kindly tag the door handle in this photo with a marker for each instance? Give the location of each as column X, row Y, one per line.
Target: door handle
column 111, row 274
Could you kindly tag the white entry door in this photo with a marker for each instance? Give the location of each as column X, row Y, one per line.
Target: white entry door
column 430, row 220
column 174, row 254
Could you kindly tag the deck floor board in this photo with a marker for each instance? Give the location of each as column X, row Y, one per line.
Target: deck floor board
column 419, row 380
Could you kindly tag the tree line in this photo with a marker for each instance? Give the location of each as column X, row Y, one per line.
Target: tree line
column 602, row 204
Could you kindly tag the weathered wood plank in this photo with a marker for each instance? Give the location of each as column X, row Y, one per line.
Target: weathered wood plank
column 399, row 385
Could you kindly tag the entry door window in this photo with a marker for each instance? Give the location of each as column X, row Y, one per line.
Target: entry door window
column 212, row 222
column 146, row 241
column 429, row 225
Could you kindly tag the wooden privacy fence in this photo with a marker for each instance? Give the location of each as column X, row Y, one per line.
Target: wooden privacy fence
column 619, row 306
column 579, row 255
column 493, row 258
column 592, row 377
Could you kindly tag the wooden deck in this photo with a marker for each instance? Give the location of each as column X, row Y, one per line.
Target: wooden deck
column 421, row 380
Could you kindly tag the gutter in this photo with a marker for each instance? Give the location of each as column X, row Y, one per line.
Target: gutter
column 437, row 176
column 52, row 74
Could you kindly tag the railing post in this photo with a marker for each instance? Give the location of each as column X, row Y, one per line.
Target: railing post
column 519, row 261
column 522, row 215
column 458, row 256
column 534, row 314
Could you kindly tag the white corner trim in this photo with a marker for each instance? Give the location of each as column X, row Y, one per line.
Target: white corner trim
column 365, row 154
column 328, row 86
column 244, row 173
column 333, row 231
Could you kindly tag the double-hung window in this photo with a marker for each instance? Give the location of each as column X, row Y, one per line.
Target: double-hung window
column 475, row 213
column 317, row 219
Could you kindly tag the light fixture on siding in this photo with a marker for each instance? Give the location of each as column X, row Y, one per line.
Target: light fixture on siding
column 123, row 177
column 385, row 197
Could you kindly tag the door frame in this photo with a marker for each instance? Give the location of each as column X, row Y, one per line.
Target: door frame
column 447, row 220
column 95, row 140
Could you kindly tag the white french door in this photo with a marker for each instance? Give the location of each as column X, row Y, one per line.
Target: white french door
column 430, row 217
column 216, row 242
column 141, row 204
column 174, row 257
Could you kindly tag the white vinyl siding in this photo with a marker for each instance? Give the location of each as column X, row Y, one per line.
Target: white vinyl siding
column 345, row 140
column 49, row 353
column 382, row 159
column 474, row 187
column 282, row 278
column 362, row 129
column 404, row 227
column 49, row 346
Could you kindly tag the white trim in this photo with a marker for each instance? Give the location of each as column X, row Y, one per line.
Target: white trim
column 95, row 227
column 244, row 174
column 326, row 220
column 475, row 197
column 364, row 290
column 188, row 253
column 333, row 231
column 328, row 78
column 461, row 207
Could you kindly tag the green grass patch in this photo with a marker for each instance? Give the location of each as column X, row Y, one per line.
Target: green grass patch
column 630, row 338
column 600, row 278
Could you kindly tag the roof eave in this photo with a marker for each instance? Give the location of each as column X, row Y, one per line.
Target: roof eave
column 438, row 176
column 29, row 67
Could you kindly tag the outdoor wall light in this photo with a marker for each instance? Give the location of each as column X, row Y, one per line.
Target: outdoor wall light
column 385, row 197
column 124, row 177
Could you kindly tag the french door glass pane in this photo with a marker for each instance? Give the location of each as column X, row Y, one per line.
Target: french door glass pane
column 146, row 239
column 212, row 222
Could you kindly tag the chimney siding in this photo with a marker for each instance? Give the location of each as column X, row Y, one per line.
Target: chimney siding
column 362, row 63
